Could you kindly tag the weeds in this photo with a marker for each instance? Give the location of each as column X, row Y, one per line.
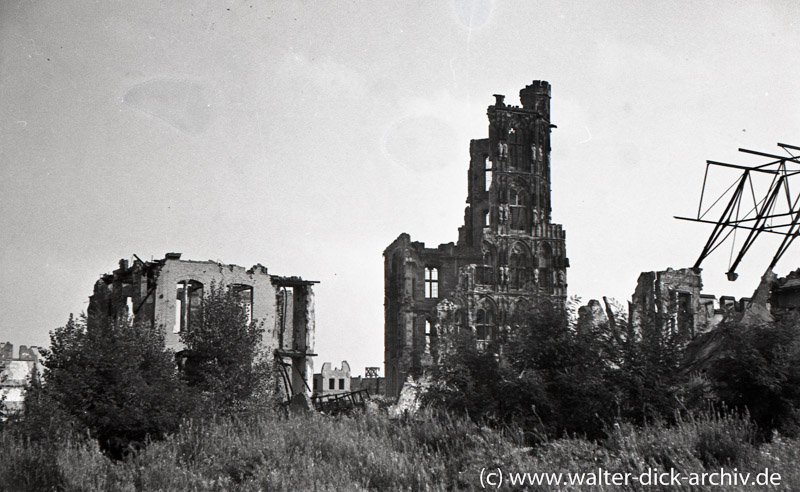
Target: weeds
column 367, row 451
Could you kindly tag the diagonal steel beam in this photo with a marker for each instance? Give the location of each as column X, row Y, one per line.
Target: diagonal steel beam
column 761, row 220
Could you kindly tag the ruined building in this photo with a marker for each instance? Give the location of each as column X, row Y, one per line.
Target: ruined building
column 371, row 381
column 15, row 375
column 168, row 294
column 508, row 252
column 331, row 380
column 673, row 300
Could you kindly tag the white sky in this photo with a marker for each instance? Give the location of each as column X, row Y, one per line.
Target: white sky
column 306, row 136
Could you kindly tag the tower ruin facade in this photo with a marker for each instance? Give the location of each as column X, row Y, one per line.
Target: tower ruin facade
column 508, row 253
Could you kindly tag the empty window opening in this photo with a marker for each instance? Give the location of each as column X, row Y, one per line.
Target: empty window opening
column 316, row 384
column 516, row 202
column 129, row 306
column 427, row 336
column 431, row 283
column 485, row 330
column 518, row 267
column 341, row 383
column 545, row 267
column 484, row 274
column 332, row 383
column 244, row 294
column 517, row 154
column 685, row 314
column 488, row 178
column 486, row 218
column 189, row 297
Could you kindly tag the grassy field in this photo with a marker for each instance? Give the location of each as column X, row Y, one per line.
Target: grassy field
column 367, row 451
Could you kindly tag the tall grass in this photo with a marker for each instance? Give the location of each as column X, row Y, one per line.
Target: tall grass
column 370, row 452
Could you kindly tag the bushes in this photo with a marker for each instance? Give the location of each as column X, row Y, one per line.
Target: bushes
column 116, row 383
column 107, row 378
column 757, row 369
column 222, row 359
column 551, row 376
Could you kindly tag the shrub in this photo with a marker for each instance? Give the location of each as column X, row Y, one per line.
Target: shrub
column 223, row 359
column 757, row 370
column 109, row 378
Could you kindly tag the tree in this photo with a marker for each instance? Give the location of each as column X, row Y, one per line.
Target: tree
column 3, row 409
column 757, row 369
column 110, row 378
column 648, row 378
column 545, row 376
column 223, row 357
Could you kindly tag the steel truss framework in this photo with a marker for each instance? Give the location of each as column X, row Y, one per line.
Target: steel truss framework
column 775, row 212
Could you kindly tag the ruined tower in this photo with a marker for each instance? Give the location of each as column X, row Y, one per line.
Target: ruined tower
column 508, row 252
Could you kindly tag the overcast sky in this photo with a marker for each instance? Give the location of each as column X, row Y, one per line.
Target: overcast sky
column 306, row 136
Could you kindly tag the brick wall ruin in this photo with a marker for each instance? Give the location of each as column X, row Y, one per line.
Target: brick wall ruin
column 168, row 294
column 673, row 300
column 15, row 373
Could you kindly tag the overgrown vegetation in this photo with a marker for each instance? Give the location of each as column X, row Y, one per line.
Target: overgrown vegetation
column 109, row 379
column 223, row 359
column 115, row 381
column 758, row 369
column 551, row 376
column 370, row 452
column 112, row 412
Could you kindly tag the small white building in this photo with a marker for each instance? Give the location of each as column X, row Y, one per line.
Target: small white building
column 332, row 381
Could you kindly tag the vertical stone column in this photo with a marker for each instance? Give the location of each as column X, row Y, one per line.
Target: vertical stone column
column 303, row 336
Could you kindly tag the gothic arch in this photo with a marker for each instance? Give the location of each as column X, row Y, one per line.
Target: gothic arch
column 545, row 255
column 485, row 273
column 517, row 146
column 546, row 265
column 518, row 310
column 519, row 263
column 518, row 207
column 486, row 320
column 489, row 253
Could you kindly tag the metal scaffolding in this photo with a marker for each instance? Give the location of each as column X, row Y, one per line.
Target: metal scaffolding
column 775, row 212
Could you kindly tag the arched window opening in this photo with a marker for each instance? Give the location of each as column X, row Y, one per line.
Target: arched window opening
column 484, row 273
column 519, row 265
column 244, row 294
column 431, row 283
column 517, row 156
column 519, row 312
column 546, row 267
column 516, row 203
column 189, row 302
column 461, row 320
column 485, row 329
